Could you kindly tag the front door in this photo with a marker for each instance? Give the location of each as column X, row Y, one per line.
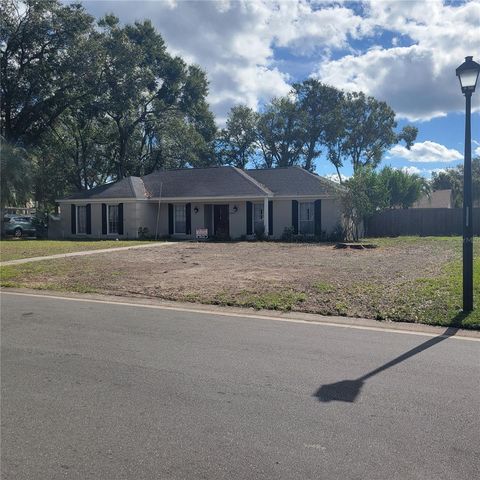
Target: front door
column 221, row 222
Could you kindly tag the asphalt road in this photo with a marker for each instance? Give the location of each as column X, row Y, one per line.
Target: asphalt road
column 101, row 391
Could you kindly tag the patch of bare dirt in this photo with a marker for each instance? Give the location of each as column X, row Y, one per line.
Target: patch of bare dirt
column 215, row 272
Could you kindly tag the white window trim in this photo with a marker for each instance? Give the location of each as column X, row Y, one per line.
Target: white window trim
column 174, row 219
column 108, row 221
column 300, row 220
column 77, row 216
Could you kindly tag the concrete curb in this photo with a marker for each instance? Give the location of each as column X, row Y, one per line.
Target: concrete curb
column 82, row 253
column 299, row 317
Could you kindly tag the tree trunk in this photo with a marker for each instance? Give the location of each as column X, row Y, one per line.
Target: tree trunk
column 122, row 153
column 339, row 174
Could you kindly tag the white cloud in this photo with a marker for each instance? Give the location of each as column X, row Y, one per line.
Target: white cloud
column 426, row 152
column 306, row 30
column 476, row 152
column 334, row 177
column 236, row 42
column 412, row 170
column 417, row 80
column 424, row 172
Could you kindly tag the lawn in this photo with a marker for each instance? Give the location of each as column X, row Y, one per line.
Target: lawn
column 13, row 249
column 405, row 279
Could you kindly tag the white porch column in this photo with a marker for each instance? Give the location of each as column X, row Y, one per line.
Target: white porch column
column 265, row 215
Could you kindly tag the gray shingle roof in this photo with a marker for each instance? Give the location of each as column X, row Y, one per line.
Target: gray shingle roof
column 215, row 182
column 294, row 181
column 130, row 187
column 202, row 182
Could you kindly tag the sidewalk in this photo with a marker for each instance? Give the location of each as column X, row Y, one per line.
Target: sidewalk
column 86, row 252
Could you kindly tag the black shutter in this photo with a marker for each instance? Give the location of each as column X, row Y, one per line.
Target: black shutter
column 318, row 217
column 89, row 218
column 188, row 218
column 104, row 219
column 73, row 219
column 295, row 216
column 270, row 217
column 120, row 218
column 249, row 218
column 170, row 218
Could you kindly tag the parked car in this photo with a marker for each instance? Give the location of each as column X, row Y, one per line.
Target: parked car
column 19, row 226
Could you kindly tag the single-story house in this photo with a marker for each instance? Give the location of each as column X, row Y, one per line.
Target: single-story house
column 223, row 202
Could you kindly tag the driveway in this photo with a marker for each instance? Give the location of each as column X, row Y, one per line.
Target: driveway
column 109, row 391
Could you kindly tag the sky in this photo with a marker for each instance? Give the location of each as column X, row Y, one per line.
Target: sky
column 399, row 51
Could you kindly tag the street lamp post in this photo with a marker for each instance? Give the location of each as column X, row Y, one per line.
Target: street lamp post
column 467, row 73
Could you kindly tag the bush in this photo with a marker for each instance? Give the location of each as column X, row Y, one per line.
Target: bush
column 288, row 234
column 143, row 233
column 260, row 232
column 337, row 235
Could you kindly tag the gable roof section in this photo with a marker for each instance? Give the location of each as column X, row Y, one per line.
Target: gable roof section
column 202, row 182
column 294, row 181
column 130, row 187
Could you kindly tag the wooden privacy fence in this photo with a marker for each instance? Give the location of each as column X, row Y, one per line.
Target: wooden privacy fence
column 420, row 221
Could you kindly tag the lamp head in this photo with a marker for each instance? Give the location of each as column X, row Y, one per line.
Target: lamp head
column 467, row 73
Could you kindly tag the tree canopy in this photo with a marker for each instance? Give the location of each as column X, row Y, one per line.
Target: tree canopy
column 90, row 102
column 45, row 65
column 312, row 122
column 85, row 102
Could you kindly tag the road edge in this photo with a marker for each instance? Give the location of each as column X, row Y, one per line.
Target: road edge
column 295, row 317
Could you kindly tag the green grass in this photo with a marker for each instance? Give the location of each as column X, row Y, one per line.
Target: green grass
column 438, row 300
column 283, row 300
column 323, row 287
column 13, row 249
column 433, row 301
column 48, row 276
column 412, row 240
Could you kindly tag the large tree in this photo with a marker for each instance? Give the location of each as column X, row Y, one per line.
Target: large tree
column 321, row 106
column 237, row 142
column 143, row 87
column 15, row 175
column 78, row 146
column 45, row 65
column 281, row 132
column 369, row 130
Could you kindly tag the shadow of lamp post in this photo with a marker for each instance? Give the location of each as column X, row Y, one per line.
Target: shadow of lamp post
column 467, row 73
column 349, row 390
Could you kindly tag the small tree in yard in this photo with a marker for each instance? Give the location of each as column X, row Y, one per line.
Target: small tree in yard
column 363, row 197
column 369, row 192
